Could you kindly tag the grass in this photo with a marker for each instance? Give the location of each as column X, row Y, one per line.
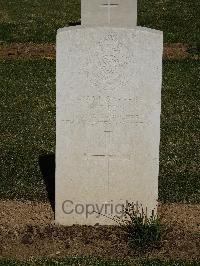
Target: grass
column 179, row 178
column 97, row 262
column 158, row 262
column 178, row 19
column 38, row 20
column 64, row 262
column 27, row 126
column 27, row 108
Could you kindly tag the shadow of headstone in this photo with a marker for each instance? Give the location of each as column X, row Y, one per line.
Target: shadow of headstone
column 74, row 23
column 47, row 167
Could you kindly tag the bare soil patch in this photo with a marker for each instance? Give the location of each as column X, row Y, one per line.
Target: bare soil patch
column 27, row 230
column 48, row 50
column 176, row 51
column 27, row 50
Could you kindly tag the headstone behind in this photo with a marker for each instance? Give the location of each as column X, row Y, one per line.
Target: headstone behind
column 117, row 13
column 108, row 121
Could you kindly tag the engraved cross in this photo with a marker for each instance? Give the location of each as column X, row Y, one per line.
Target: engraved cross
column 109, row 5
column 107, row 155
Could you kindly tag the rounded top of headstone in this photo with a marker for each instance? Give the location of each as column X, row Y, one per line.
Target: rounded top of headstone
column 106, row 28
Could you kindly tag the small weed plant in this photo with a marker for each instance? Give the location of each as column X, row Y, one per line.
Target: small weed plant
column 142, row 231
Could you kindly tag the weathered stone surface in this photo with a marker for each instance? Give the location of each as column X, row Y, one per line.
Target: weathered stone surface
column 108, row 120
column 116, row 13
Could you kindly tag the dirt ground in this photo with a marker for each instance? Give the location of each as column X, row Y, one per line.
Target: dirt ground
column 47, row 50
column 27, row 230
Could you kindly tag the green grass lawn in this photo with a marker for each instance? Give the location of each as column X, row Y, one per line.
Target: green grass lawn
column 38, row 20
column 27, row 125
column 27, row 108
column 97, row 262
column 179, row 178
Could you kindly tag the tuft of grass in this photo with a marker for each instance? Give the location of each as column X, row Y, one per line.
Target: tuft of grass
column 142, row 231
column 179, row 19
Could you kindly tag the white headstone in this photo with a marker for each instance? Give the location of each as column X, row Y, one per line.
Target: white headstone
column 117, row 13
column 108, row 121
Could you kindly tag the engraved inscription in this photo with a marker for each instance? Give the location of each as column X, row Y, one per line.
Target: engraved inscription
column 106, row 110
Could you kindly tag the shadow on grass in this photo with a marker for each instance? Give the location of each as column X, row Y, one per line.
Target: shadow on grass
column 47, row 167
column 74, row 23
